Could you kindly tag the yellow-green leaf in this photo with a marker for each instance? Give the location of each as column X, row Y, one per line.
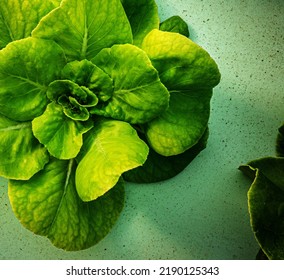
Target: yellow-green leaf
column 110, row 148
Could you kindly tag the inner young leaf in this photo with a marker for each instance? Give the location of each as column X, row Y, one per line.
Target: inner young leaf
column 87, row 75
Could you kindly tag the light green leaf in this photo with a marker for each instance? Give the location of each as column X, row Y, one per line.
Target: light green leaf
column 27, row 67
column 143, row 17
column 182, row 125
column 83, row 28
column 266, row 204
column 189, row 73
column 110, row 148
column 48, row 205
column 21, row 155
column 19, row 17
column 181, row 63
column 62, row 136
column 138, row 95
column 158, row 168
column 85, row 73
column 175, row 24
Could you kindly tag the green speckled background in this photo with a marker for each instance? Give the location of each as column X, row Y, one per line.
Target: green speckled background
column 201, row 213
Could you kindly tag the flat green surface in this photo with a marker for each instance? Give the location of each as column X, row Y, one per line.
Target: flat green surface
column 201, row 213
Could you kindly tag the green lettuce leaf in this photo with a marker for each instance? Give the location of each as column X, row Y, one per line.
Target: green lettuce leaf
column 21, row 154
column 182, row 125
column 266, row 204
column 158, row 168
column 73, row 98
column 181, row 63
column 62, row 136
column 83, row 28
column 82, row 94
column 189, row 73
column 14, row 14
column 110, row 148
column 138, row 95
column 175, row 24
column 143, row 17
column 48, row 205
column 27, row 67
column 85, row 73
column 72, row 109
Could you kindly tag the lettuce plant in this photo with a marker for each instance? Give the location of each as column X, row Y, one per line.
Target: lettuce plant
column 94, row 93
column 266, row 201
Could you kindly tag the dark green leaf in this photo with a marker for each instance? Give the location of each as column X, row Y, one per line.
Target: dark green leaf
column 143, row 17
column 261, row 255
column 175, row 24
column 266, row 204
column 158, row 167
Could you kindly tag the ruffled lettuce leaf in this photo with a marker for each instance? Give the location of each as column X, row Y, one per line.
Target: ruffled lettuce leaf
column 84, row 28
column 73, row 98
column 189, row 73
column 20, row 152
column 266, row 204
column 48, row 205
column 62, row 136
column 175, row 24
column 158, row 168
column 27, row 67
column 143, row 17
column 111, row 148
column 138, row 94
column 67, row 88
column 85, row 73
column 14, row 14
